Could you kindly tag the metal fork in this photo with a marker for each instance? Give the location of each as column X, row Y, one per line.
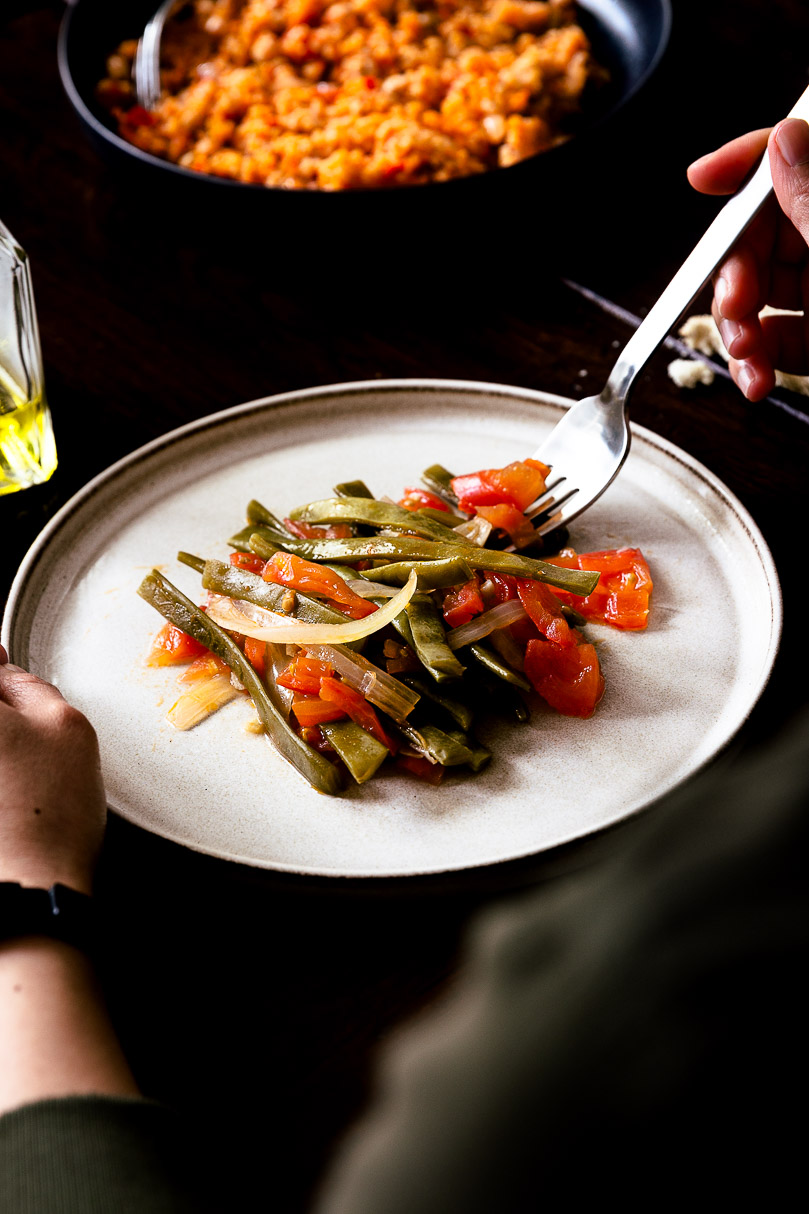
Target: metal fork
column 587, row 448
column 146, row 70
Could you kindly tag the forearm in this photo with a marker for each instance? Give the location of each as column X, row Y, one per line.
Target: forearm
column 56, row 1038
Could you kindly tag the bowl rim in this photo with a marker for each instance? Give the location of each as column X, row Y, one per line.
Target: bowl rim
column 111, row 137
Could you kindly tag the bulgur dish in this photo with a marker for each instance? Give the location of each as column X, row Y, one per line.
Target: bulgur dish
column 357, row 94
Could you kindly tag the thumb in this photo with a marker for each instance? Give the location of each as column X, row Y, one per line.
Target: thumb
column 789, row 163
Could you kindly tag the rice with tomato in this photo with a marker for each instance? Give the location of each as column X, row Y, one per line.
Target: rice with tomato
column 358, row 94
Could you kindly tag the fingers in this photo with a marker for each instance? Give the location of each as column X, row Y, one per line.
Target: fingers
column 789, row 162
column 722, row 171
column 25, row 691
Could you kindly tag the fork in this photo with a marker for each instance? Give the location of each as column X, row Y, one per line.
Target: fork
column 146, row 69
column 588, row 447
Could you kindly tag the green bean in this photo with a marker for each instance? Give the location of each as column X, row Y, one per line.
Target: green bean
column 492, row 663
column 432, row 575
column 437, row 745
column 491, row 695
column 371, row 513
column 430, row 640
column 242, row 584
column 261, row 516
column 481, row 755
column 406, row 547
column 174, row 606
column 241, row 540
column 460, row 712
column 439, row 481
column 360, row 751
column 353, row 489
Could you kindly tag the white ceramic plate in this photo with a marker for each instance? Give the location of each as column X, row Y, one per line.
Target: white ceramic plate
column 675, row 694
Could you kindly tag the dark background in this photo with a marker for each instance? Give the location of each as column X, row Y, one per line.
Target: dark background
column 259, row 992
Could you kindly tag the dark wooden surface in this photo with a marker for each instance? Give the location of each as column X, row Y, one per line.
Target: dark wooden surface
column 261, row 996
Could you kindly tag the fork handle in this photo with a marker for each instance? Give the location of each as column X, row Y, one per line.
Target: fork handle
column 695, row 271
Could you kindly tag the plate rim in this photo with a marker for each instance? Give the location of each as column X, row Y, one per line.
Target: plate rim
column 39, row 548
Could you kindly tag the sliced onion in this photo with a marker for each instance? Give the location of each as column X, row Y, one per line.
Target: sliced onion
column 477, row 529
column 508, row 649
column 378, row 687
column 201, row 700
column 236, row 615
column 498, row 617
column 371, row 590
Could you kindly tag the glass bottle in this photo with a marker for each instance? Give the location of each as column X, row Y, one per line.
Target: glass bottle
column 27, row 448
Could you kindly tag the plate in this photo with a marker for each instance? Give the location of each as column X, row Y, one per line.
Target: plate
column 676, row 693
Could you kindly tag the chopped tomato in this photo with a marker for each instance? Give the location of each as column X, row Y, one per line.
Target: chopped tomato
column 418, row 499
column 312, row 531
column 248, row 560
column 545, row 611
column 500, row 587
column 312, row 711
column 256, row 653
column 462, row 602
column 172, row 647
column 517, row 484
column 624, row 588
column 505, row 517
column 304, row 674
column 310, row 578
column 204, row 667
column 569, row 679
column 357, row 707
column 417, row 765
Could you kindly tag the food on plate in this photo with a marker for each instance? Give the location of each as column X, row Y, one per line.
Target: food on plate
column 368, row 631
column 358, row 94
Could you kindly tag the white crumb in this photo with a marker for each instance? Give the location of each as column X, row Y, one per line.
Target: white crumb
column 688, row 372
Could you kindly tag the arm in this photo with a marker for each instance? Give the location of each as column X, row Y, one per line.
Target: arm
column 770, row 265
column 55, row 1036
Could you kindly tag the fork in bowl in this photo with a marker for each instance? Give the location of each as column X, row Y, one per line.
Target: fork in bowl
column 588, row 447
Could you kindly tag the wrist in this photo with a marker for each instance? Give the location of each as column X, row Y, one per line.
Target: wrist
column 57, row 913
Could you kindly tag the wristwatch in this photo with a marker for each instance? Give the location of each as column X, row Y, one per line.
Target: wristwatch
column 61, row 913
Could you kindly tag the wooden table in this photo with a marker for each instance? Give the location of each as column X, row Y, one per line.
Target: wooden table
column 233, row 986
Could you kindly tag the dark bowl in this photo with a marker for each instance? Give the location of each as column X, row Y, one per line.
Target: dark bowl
column 629, row 37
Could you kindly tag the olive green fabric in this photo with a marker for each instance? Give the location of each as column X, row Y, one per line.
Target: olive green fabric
column 97, row 1155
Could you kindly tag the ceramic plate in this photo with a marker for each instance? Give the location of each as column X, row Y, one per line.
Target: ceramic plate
column 676, row 693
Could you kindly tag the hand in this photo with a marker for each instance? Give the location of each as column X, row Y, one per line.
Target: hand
column 52, row 802
column 770, row 264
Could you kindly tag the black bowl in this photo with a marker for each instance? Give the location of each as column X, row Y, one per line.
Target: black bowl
column 629, row 37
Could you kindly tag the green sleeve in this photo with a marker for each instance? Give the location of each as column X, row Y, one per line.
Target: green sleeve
column 97, row 1155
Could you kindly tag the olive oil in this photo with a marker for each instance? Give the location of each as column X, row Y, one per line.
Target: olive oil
column 27, row 448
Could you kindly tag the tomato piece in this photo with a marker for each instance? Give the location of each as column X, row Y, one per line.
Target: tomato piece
column 500, row 587
column 312, row 710
column 352, row 702
column 312, row 531
column 462, row 602
column 248, row 560
column 256, row 653
column 173, row 647
column 310, row 578
column 517, row 484
column 417, row 765
column 545, row 612
column 204, row 667
column 505, row 517
column 418, row 499
column 569, row 679
column 304, row 674
column 623, row 593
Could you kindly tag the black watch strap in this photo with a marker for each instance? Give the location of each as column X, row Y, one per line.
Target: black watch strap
column 60, row 913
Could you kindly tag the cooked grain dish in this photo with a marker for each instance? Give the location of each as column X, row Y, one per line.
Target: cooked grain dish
column 358, row 94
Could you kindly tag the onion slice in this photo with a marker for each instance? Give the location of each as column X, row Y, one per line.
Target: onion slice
column 378, row 687
column 234, row 616
column 498, row 617
column 201, row 700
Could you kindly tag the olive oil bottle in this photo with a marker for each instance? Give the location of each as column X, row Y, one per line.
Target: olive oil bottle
column 27, row 448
